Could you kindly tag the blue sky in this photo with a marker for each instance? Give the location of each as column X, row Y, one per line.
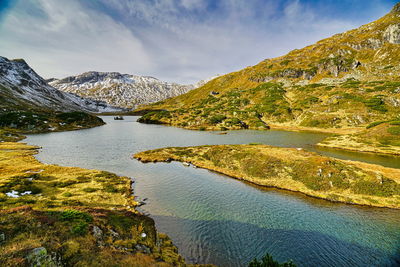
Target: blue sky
column 174, row 40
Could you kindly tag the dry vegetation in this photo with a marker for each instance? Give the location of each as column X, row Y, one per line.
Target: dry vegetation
column 292, row 169
column 72, row 217
column 381, row 137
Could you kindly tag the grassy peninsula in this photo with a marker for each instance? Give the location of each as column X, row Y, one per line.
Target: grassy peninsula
column 64, row 216
column 292, row 169
column 381, row 137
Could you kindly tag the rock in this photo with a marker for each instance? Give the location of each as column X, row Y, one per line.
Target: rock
column 392, row 34
column 2, row 237
column 393, row 101
column 356, row 64
column 40, row 257
column 114, row 234
column 97, row 232
column 142, row 248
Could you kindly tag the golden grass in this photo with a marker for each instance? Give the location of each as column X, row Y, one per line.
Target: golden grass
column 292, row 169
column 58, row 184
column 66, row 205
column 374, row 140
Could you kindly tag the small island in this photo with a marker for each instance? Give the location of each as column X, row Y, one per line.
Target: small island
column 292, row 169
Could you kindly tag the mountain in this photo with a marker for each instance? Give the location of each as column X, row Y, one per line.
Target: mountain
column 29, row 105
column 340, row 84
column 122, row 90
column 21, row 88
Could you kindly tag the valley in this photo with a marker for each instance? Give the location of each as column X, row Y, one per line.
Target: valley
column 311, row 138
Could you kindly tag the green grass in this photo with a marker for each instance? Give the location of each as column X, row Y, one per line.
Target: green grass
column 394, row 130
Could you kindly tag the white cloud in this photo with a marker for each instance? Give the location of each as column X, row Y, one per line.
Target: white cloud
column 59, row 38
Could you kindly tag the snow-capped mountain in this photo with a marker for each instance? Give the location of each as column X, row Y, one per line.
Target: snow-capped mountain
column 122, row 90
column 22, row 87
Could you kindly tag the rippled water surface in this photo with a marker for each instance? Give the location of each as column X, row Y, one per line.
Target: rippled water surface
column 216, row 219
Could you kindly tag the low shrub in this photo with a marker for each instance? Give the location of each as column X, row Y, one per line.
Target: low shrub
column 89, row 189
column 268, row 261
column 217, row 119
column 394, row 130
column 72, row 215
column 80, row 228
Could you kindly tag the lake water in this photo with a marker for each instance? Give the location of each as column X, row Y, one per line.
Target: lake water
column 219, row 220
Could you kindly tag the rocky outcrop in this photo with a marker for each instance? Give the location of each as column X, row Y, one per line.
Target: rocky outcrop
column 40, row 257
column 371, row 43
column 392, row 34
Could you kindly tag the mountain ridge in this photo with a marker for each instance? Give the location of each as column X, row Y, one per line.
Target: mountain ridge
column 345, row 81
column 123, row 90
column 22, row 88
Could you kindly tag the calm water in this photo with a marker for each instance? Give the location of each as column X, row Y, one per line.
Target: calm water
column 216, row 219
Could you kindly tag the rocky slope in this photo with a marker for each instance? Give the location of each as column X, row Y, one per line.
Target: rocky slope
column 346, row 82
column 122, row 90
column 21, row 88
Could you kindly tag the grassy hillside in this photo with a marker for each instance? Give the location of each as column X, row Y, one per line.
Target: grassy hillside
column 346, row 81
column 61, row 216
column 292, row 169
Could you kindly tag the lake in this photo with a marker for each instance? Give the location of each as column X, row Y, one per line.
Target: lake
column 215, row 219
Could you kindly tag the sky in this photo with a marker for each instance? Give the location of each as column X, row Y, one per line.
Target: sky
column 180, row 41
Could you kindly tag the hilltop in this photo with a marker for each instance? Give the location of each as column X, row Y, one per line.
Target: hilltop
column 340, row 84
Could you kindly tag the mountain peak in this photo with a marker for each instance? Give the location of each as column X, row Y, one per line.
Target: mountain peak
column 396, row 8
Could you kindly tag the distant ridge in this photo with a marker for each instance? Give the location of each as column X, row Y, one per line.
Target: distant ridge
column 21, row 88
column 123, row 90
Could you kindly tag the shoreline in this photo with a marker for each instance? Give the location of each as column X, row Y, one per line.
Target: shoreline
column 347, row 198
column 98, row 205
column 361, row 150
column 330, row 131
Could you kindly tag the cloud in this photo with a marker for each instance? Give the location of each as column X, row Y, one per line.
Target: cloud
column 193, row 4
column 59, row 38
column 175, row 40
